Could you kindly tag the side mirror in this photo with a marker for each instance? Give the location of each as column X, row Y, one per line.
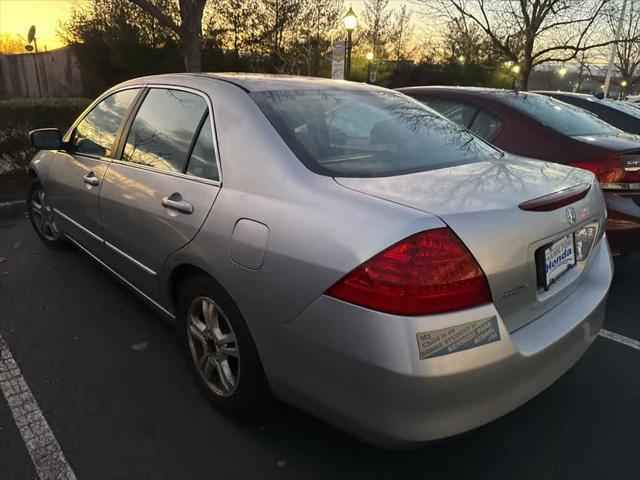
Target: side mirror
column 46, row 139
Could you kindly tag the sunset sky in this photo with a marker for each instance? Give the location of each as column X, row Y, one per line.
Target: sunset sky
column 16, row 16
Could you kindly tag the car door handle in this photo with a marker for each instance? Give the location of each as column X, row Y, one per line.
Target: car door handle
column 175, row 202
column 91, row 179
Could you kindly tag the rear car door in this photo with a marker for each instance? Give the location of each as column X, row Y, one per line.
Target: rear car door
column 162, row 184
column 75, row 177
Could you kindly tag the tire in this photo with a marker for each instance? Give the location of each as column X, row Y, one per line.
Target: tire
column 218, row 340
column 42, row 217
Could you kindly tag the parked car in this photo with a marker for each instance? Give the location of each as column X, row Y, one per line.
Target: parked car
column 620, row 115
column 336, row 244
column 541, row 127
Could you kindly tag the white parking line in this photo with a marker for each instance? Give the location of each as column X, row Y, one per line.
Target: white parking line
column 616, row 337
column 43, row 448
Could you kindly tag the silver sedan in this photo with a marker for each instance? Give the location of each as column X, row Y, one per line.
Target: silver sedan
column 337, row 245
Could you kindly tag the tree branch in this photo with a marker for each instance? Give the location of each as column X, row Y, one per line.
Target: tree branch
column 158, row 14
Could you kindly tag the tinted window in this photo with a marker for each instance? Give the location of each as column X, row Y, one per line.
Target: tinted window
column 96, row 133
column 368, row 133
column 622, row 107
column 486, row 126
column 458, row 112
column 202, row 162
column 164, row 127
column 558, row 115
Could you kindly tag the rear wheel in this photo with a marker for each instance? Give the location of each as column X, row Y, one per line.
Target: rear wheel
column 221, row 349
column 42, row 215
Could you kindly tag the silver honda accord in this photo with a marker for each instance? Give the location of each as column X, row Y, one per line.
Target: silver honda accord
column 340, row 246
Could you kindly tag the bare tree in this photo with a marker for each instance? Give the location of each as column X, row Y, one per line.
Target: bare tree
column 377, row 32
column 627, row 60
column 533, row 32
column 465, row 42
column 11, row 44
column 189, row 28
column 402, row 32
column 315, row 25
column 279, row 16
column 238, row 22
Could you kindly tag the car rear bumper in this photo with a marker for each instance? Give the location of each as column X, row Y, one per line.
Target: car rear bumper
column 361, row 370
column 623, row 222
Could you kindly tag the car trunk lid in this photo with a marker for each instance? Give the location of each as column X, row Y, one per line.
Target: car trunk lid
column 481, row 203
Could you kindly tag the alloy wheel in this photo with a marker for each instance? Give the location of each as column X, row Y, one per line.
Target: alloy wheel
column 43, row 215
column 213, row 346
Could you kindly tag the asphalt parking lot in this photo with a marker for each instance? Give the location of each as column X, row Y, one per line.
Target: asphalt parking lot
column 112, row 383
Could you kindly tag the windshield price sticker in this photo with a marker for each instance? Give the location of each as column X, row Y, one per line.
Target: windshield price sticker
column 456, row 339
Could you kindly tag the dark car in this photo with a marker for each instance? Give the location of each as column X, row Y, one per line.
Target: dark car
column 542, row 127
column 620, row 115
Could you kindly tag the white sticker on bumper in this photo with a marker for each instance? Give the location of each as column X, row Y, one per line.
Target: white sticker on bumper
column 456, row 339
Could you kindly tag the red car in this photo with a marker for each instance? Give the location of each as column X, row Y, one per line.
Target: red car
column 542, row 127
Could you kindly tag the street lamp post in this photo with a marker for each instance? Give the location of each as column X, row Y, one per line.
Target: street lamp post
column 350, row 21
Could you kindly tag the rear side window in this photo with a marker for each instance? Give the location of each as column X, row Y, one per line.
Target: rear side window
column 368, row 133
column 96, row 132
column 562, row 117
column 460, row 113
column 486, row 126
column 202, row 162
column 163, row 130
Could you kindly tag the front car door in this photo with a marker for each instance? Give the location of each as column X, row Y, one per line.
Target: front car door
column 162, row 184
column 75, row 176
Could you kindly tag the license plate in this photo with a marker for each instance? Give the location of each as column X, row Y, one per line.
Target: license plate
column 559, row 257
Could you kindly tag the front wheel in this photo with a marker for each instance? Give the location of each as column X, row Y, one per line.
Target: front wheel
column 42, row 215
column 221, row 349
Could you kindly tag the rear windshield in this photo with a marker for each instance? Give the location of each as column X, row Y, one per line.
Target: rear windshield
column 560, row 116
column 368, row 133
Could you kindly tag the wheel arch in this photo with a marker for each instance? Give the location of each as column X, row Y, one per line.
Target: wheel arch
column 185, row 270
column 177, row 276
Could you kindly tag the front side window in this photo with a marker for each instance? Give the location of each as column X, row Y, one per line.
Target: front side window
column 560, row 116
column 368, row 133
column 163, row 130
column 96, row 133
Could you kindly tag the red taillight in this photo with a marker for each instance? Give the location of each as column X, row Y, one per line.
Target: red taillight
column 606, row 170
column 429, row 272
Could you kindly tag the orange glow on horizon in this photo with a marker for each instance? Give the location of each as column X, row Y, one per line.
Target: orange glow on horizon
column 16, row 16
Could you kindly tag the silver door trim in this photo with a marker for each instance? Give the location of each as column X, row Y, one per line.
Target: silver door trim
column 172, row 173
column 123, row 280
column 138, row 264
column 72, row 221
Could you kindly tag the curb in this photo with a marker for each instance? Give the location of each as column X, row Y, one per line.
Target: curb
column 9, row 210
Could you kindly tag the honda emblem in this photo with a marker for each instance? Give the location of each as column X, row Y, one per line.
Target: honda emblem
column 571, row 215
